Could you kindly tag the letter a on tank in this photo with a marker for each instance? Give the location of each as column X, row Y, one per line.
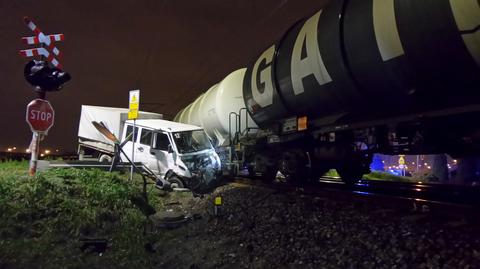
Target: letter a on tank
column 312, row 62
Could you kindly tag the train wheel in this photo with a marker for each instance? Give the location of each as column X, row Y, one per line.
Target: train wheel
column 317, row 171
column 269, row 174
column 349, row 175
column 251, row 171
column 352, row 171
column 293, row 165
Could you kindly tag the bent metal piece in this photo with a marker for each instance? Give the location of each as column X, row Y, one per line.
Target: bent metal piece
column 118, row 149
column 104, row 131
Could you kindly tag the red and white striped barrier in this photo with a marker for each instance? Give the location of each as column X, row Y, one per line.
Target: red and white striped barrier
column 32, row 40
column 50, row 52
column 41, row 52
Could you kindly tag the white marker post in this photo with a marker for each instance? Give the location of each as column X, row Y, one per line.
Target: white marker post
column 133, row 105
column 34, row 147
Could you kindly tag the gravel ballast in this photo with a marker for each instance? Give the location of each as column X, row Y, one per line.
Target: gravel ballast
column 263, row 228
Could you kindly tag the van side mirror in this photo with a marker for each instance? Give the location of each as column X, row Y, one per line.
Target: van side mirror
column 170, row 149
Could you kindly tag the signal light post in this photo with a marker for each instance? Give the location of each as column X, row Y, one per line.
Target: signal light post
column 40, row 114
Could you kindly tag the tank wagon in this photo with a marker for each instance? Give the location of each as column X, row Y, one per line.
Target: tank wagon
column 358, row 77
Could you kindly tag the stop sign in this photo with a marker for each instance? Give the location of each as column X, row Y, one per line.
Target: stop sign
column 40, row 115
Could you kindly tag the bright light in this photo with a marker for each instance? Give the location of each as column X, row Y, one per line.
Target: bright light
column 14, row 148
column 27, row 150
column 413, row 162
column 47, row 151
column 455, row 161
column 41, row 155
column 56, row 150
column 420, row 182
column 429, row 167
column 425, row 164
column 9, row 149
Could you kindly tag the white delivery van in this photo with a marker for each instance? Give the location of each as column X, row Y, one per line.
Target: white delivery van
column 179, row 153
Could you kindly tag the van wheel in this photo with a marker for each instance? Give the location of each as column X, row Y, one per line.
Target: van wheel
column 176, row 182
column 104, row 158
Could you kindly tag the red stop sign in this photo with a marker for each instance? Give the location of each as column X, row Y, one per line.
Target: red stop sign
column 40, row 115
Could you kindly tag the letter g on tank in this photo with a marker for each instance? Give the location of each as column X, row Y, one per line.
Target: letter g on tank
column 262, row 84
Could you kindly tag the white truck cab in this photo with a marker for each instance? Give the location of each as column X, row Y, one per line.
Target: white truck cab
column 178, row 152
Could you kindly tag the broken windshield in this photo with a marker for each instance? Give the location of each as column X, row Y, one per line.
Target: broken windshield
column 191, row 141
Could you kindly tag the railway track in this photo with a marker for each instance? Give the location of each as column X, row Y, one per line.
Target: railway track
column 437, row 199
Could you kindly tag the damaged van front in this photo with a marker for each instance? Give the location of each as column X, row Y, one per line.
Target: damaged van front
column 191, row 160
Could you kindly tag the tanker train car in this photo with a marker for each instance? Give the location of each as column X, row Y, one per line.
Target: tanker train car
column 358, row 77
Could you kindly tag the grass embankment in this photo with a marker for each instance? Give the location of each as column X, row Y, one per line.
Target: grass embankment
column 44, row 218
column 374, row 175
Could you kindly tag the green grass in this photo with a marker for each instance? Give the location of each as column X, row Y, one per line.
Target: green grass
column 386, row 177
column 331, row 173
column 42, row 218
column 376, row 176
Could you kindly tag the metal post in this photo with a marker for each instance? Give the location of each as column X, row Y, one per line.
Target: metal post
column 34, row 148
column 133, row 148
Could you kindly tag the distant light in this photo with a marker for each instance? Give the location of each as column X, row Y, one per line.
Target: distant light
column 27, row 150
column 420, row 182
column 47, row 151
column 383, row 161
column 41, row 155
column 455, row 161
column 14, row 148
column 9, row 149
column 425, row 164
column 429, row 167
column 413, row 162
column 56, row 150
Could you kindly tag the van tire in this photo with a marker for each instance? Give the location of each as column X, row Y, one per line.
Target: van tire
column 104, row 158
column 176, row 182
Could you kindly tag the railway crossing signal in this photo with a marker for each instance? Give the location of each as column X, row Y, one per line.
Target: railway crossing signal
column 40, row 114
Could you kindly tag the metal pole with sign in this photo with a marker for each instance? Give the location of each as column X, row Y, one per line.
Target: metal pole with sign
column 133, row 106
column 401, row 164
column 40, row 114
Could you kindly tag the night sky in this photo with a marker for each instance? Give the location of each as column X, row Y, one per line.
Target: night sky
column 172, row 50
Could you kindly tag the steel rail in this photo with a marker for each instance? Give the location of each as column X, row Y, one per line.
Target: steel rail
column 450, row 201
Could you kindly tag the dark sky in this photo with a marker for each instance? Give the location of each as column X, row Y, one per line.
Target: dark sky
column 170, row 49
